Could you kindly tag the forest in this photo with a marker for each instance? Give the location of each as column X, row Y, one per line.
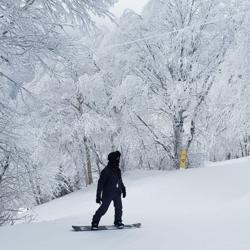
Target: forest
column 173, row 78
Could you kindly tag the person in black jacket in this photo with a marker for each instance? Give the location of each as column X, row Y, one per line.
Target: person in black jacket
column 110, row 188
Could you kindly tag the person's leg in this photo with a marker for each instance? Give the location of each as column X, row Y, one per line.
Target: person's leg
column 101, row 211
column 118, row 209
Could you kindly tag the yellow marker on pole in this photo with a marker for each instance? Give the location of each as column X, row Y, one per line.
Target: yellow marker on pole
column 183, row 159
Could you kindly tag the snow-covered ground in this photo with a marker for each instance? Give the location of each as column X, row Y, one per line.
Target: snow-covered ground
column 196, row 209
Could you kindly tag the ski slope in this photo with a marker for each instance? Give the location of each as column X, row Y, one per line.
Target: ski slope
column 196, row 209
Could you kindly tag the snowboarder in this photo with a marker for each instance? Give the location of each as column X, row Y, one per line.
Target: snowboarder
column 110, row 188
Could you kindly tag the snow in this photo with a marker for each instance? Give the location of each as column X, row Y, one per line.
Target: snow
column 196, row 209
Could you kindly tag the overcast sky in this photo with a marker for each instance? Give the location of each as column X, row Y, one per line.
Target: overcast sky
column 136, row 5
column 117, row 10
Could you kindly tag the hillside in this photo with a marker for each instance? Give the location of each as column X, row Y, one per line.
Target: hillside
column 197, row 209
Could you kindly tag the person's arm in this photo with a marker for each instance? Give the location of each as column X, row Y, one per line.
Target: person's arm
column 123, row 189
column 103, row 178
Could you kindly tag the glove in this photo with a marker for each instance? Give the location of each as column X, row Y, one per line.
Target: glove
column 98, row 200
column 124, row 192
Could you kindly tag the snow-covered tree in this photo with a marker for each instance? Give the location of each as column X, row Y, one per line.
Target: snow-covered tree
column 177, row 52
column 227, row 128
column 37, row 37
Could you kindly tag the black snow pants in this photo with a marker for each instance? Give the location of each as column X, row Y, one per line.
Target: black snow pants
column 104, row 208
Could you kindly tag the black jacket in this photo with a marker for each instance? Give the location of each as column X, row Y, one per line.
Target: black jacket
column 110, row 183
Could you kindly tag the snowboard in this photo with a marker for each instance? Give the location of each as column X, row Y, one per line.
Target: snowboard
column 108, row 227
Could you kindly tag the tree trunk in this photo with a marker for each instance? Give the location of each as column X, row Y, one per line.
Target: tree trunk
column 4, row 168
column 88, row 162
column 178, row 139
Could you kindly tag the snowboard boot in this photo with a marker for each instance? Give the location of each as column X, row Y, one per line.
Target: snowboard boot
column 94, row 226
column 119, row 224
